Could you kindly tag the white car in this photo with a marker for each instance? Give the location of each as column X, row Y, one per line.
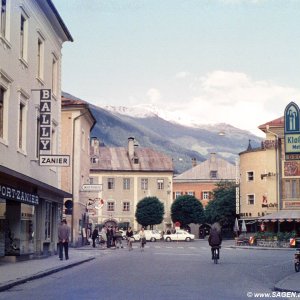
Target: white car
column 179, row 235
column 151, row 235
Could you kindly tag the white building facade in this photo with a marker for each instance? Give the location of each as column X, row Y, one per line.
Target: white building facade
column 31, row 38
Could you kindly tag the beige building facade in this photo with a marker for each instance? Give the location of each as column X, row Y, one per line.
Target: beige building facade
column 77, row 122
column 31, row 198
column 126, row 176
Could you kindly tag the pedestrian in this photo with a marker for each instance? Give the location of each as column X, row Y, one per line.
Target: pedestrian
column 129, row 236
column 118, row 238
column 63, row 239
column 142, row 238
column 109, row 235
column 95, row 235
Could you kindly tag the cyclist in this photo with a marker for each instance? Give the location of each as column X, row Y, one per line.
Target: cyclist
column 215, row 240
column 129, row 235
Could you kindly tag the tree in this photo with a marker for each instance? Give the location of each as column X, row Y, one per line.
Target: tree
column 187, row 209
column 149, row 211
column 222, row 208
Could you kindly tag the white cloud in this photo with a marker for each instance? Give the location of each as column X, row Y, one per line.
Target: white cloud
column 182, row 75
column 154, row 96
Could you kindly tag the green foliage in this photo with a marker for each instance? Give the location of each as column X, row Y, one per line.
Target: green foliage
column 187, row 209
column 222, row 208
column 149, row 211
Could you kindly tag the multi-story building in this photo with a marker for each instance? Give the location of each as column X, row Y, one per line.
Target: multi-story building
column 269, row 184
column 127, row 175
column 31, row 37
column 77, row 122
column 201, row 179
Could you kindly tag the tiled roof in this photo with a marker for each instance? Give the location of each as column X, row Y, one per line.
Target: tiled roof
column 202, row 171
column 117, row 159
column 275, row 123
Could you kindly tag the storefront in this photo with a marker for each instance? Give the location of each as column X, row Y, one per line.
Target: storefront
column 30, row 212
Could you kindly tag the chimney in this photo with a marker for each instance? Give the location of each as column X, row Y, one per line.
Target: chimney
column 131, row 147
column 194, row 162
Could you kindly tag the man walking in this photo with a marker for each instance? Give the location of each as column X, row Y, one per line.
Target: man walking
column 63, row 239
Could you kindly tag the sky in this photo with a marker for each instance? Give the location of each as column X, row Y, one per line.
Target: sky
column 207, row 61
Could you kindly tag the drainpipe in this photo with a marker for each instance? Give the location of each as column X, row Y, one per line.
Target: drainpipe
column 73, row 179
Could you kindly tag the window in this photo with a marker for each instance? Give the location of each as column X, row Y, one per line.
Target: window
column 177, row 194
column 48, row 221
column 144, row 184
column 110, row 206
column 126, row 183
column 54, row 75
column 294, row 188
column 205, row 195
column 160, row 184
column 250, row 199
column 3, row 18
column 213, row 174
column 126, row 206
column 191, row 193
column 40, row 58
column 23, row 37
column 291, row 188
column 250, row 176
column 2, row 93
column 22, row 121
column 110, row 183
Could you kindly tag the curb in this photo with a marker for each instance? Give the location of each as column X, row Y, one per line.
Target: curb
column 261, row 248
column 279, row 286
column 9, row 285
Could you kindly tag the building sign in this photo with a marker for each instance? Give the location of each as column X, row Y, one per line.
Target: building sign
column 291, row 168
column 291, row 204
column 45, row 121
column 19, row 195
column 91, row 188
column 292, row 131
column 55, row 160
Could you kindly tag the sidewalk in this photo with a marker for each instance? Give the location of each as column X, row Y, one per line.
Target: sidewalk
column 12, row 274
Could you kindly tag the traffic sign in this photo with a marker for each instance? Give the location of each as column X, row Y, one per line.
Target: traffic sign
column 91, row 188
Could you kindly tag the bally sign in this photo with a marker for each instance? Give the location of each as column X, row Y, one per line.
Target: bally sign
column 45, row 121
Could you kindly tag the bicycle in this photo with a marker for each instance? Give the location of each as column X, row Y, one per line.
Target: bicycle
column 216, row 253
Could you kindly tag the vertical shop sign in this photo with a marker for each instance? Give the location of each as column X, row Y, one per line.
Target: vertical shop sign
column 45, row 121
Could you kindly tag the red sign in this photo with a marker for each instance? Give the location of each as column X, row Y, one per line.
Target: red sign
column 177, row 224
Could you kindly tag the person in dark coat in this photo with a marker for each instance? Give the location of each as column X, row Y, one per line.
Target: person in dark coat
column 215, row 240
column 95, row 234
column 63, row 239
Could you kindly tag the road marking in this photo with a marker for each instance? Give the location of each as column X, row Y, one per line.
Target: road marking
column 182, row 254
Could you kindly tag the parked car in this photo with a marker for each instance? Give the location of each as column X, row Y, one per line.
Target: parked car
column 179, row 235
column 151, row 235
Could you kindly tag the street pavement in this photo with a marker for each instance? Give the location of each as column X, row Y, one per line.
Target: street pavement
column 15, row 273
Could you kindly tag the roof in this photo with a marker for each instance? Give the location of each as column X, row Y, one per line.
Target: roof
column 282, row 215
column 69, row 101
column 225, row 170
column 279, row 123
column 117, row 159
column 60, row 21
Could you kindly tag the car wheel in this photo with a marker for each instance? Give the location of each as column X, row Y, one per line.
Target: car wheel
column 168, row 239
column 153, row 239
column 188, row 239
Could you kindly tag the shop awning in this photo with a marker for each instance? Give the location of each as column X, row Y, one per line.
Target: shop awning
column 282, row 216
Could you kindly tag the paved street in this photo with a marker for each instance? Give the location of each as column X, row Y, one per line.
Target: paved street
column 163, row 271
